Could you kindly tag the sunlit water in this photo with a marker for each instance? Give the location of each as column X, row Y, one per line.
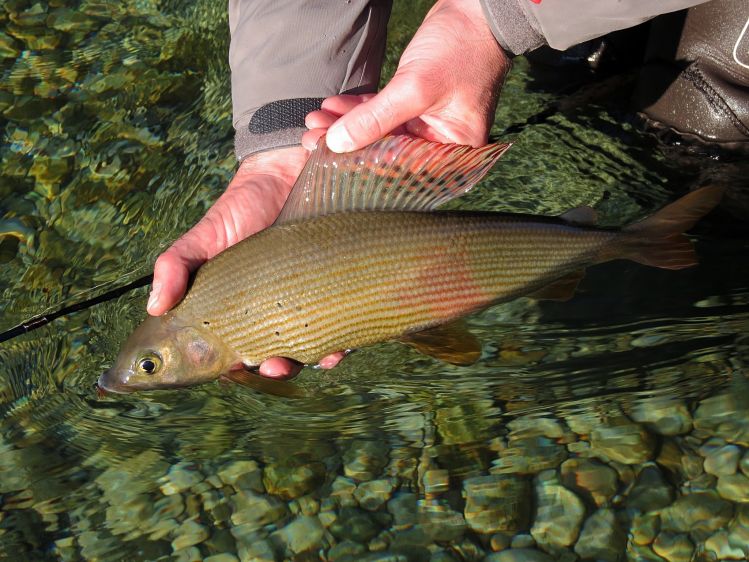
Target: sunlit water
column 613, row 426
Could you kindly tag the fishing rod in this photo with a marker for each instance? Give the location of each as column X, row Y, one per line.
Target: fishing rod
column 44, row 319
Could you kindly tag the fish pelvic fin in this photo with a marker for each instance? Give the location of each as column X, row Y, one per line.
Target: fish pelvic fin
column 659, row 240
column 397, row 173
column 451, row 343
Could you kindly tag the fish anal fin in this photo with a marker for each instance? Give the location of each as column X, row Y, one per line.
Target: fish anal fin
column 396, row 173
column 451, row 343
column 583, row 216
column 563, row 289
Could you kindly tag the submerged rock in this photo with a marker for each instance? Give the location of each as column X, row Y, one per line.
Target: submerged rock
column 496, row 503
column 673, row 547
column 698, row 513
column 720, row 460
column 373, row 494
column 601, row 538
column 734, row 487
column 302, row 534
column 627, row 443
column 664, row 416
column 590, row 477
column 559, row 513
column 519, row 555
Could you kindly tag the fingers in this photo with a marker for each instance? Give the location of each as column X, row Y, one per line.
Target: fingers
column 171, row 273
column 332, row 360
column 310, row 138
column 280, row 368
column 373, row 119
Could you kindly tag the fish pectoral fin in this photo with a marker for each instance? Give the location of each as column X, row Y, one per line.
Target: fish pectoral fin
column 563, row 289
column 583, row 216
column 274, row 387
column 451, row 343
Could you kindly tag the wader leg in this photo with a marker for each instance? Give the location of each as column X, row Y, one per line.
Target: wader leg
column 695, row 81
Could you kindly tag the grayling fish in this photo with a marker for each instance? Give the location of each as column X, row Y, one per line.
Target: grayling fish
column 359, row 255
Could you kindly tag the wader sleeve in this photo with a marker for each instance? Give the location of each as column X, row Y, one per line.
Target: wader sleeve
column 523, row 25
column 286, row 56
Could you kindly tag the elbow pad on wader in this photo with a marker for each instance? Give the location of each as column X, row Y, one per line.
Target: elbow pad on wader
column 695, row 81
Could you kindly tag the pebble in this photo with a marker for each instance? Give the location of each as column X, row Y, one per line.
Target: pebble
column 403, row 508
column 441, row 523
column 342, row 489
column 364, row 460
column 650, row 491
column 289, row 481
column 496, row 503
column 519, row 555
column 529, row 455
column 523, row 540
column 180, row 478
column 664, row 416
column 720, row 545
column 734, row 487
column 601, row 537
column 500, row 541
column 700, row 513
column 223, row 557
column 301, row 534
column 346, row 549
column 627, row 443
column 245, row 475
column 590, row 477
column 673, row 547
column 189, row 534
column 645, row 528
column 436, row 481
column 354, row 524
column 559, row 513
column 255, row 510
column 373, row 494
column 744, row 464
column 721, row 460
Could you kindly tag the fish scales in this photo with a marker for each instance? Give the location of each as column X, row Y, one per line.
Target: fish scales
column 350, row 279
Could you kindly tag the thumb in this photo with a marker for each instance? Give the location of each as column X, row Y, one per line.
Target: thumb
column 400, row 101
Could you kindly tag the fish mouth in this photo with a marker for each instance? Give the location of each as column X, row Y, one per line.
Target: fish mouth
column 108, row 383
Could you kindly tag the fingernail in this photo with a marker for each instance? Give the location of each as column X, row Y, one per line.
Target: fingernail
column 153, row 298
column 338, row 139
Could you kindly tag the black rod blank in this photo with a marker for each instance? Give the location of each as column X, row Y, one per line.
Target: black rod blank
column 44, row 319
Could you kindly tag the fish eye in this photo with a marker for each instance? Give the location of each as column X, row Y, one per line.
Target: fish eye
column 149, row 364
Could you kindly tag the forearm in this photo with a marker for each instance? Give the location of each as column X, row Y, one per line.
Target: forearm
column 286, row 56
column 523, row 25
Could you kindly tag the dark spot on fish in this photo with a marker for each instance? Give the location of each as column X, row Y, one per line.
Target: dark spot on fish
column 306, row 325
column 206, row 323
column 247, row 311
column 279, row 304
column 278, row 333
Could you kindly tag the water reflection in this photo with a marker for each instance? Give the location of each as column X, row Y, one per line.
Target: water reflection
column 615, row 423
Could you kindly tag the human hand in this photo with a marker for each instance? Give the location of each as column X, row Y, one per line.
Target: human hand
column 445, row 88
column 251, row 202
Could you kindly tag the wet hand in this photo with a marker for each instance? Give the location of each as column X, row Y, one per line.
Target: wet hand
column 445, row 88
column 251, row 202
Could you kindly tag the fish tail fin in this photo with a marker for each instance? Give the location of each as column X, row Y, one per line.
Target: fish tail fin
column 659, row 240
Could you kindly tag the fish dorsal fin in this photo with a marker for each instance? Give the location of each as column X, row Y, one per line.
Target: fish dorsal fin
column 397, row 173
column 451, row 343
column 584, row 215
column 563, row 289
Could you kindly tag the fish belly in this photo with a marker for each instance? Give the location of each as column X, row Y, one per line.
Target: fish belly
column 351, row 279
